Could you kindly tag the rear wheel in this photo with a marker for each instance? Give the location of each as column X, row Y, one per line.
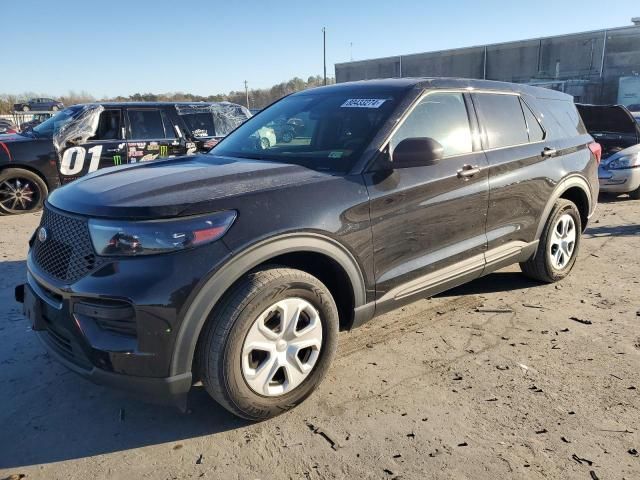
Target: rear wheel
column 559, row 244
column 21, row 191
column 269, row 343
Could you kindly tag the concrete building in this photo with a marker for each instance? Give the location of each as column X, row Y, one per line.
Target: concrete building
column 587, row 65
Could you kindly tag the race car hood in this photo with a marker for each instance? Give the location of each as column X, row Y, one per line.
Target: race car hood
column 176, row 186
column 609, row 118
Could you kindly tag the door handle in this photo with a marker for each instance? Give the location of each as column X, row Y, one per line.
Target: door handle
column 468, row 171
column 549, row 152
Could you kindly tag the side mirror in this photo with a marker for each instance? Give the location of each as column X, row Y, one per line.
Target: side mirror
column 417, row 152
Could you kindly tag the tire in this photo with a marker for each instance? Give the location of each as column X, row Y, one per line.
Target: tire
column 287, row 137
column 223, row 361
column 264, row 143
column 25, row 108
column 32, row 191
column 635, row 195
column 544, row 265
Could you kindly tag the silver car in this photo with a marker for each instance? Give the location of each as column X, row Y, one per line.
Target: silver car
column 618, row 132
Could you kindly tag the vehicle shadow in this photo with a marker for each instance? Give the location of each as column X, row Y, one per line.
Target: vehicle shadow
column 492, row 283
column 49, row 414
column 612, row 231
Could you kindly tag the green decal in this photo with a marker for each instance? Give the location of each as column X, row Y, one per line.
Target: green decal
column 164, row 150
column 117, row 160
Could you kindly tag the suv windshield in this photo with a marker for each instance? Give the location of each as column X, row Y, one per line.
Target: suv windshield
column 324, row 131
column 53, row 125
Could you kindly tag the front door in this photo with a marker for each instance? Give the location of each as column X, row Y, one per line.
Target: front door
column 106, row 148
column 428, row 222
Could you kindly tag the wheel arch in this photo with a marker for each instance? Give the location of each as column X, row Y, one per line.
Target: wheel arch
column 304, row 251
column 574, row 188
column 22, row 166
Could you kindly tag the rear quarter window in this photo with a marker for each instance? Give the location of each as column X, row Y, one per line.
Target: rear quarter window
column 561, row 118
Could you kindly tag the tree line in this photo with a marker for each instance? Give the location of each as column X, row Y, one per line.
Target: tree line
column 258, row 98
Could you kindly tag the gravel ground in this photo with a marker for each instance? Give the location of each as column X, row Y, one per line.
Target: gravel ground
column 444, row 388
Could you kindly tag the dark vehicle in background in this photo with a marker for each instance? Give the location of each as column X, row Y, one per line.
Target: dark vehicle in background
column 38, row 104
column 635, row 108
column 239, row 267
column 618, row 131
column 37, row 119
column 7, row 126
column 84, row 138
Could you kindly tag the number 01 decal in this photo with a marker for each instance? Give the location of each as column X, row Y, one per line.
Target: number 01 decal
column 73, row 160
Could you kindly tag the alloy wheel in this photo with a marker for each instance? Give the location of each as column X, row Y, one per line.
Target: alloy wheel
column 18, row 195
column 282, row 347
column 563, row 242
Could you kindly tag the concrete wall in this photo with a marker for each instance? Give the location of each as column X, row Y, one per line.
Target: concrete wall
column 575, row 60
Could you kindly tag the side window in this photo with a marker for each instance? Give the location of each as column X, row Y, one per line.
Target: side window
column 536, row 133
column 145, row 124
column 108, row 126
column 502, row 119
column 200, row 124
column 169, row 131
column 443, row 117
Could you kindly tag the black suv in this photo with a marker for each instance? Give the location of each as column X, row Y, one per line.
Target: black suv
column 239, row 267
column 84, row 138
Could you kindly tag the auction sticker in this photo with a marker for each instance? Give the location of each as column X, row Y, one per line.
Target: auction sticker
column 363, row 103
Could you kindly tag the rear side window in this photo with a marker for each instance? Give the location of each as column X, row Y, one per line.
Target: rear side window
column 200, row 124
column 443, row 117
column 502, row 119
column 145, row 124
column 536, row 133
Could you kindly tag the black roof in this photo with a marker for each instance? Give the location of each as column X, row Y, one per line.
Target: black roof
column 155, row 104
column 441, row 82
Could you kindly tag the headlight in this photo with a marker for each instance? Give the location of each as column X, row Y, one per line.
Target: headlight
column 625, row 161
column 123, row 238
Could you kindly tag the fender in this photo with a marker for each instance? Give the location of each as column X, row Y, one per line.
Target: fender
column 571, row 181
column 211, row 292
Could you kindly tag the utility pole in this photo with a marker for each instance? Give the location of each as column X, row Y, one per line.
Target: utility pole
column 246, row 92
column 324, row 52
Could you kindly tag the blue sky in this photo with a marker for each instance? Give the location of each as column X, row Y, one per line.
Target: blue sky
column 117, row 47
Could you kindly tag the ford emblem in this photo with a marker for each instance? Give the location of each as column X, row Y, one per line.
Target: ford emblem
column 42, row 234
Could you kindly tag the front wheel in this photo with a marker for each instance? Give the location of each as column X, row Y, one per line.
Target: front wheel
column 269, row 343
column 25, row 108
column 21, row 191
column 559, row 244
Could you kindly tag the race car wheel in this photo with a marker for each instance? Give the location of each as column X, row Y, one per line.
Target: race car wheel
column 25, row 108
column 269, row 343
column 21, row 191
column 287, row 137
column 558, row 246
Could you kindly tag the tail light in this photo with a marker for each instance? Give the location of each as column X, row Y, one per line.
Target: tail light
column 596, row 149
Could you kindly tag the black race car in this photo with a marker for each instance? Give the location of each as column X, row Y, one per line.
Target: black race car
column 83, row 138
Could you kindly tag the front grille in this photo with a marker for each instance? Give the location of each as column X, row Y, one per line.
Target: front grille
column 67, row 253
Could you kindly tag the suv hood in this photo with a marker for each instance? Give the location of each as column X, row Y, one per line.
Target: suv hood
column 609, row 118
column 175, row 187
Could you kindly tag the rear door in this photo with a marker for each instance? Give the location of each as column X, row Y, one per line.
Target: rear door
column 428, row 222
column 523, row 171
column 150, row 135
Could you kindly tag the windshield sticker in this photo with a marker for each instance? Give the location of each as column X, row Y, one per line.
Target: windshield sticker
column 335, row 154
column 363, row 103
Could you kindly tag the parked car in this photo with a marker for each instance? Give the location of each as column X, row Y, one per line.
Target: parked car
column 85, row 138
column 634, row 108
column 7, row 126
column 36, row 119
column 39, row 104
column 239, row 267
column 618, row 131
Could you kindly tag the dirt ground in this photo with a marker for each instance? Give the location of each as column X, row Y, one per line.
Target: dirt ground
column 548, row 389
